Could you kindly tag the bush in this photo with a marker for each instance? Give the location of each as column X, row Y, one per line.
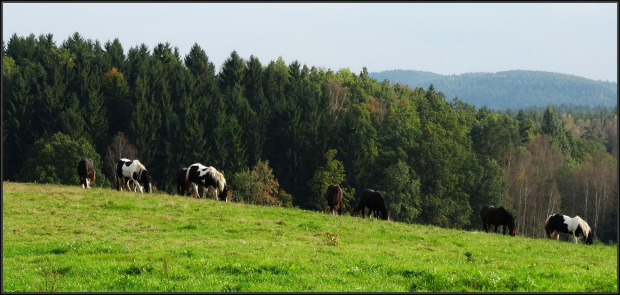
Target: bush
column 55, row 161
column 259, row 187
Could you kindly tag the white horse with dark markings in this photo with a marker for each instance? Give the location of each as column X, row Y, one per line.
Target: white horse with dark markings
column 207, row 177
column 128, row 170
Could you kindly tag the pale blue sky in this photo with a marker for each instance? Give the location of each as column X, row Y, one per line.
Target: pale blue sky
column 446, row 38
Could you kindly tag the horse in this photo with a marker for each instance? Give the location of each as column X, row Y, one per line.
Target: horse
column 86, row 172
column 182, row 187
column 492, row 215
column 207, row 177
column 559, row 223
column 375, row 203
column 334, row 199
column 128, row 170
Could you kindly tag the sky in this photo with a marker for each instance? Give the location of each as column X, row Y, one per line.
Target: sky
column 578, row 39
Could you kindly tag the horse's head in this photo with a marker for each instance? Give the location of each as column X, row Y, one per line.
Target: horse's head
column 146, row 181
column 513, row 231
column 589, row 240
column 225, row 194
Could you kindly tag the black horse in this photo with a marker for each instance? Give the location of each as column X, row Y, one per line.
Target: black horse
column 492, row 215
column 375, row 203
column 182, row 187
column 334, row 199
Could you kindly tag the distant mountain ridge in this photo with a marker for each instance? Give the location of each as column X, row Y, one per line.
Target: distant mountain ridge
column 516, row 89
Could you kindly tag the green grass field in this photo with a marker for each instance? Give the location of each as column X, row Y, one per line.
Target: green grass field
column 69, row 239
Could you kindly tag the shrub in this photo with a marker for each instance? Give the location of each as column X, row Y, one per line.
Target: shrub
column 55, row 161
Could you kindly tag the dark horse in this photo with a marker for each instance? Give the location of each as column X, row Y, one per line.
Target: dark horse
column 86, row 171
column 375, row 203
column 492, row 215
column 559, row 223
column 334, row 199
column 182, row 187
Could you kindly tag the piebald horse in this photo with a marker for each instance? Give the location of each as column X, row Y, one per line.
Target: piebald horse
column 207, row 177
column 128, row 170
column 559, row 223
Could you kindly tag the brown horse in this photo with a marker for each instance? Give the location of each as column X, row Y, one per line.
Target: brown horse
column 86, row 171
column 492, row 215
column 375, row 203
column 334, row 199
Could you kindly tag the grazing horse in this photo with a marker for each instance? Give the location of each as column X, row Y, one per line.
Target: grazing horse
column 128, row 170
column 86, row 171
column 375, row 203
column 492, row 215
column 207, row 177
column 334, row 199
column 182, row 187
column 559, row 223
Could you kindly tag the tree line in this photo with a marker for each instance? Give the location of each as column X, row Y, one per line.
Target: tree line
column 281, row 133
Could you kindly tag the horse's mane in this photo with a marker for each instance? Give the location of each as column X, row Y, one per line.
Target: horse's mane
column 139, row 165
column 218, row 177
column 584, row 226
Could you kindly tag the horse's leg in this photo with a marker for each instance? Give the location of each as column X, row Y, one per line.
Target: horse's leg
column 87, row 182
column 195, row 192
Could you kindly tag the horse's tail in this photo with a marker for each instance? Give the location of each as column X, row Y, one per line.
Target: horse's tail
column 548, row 229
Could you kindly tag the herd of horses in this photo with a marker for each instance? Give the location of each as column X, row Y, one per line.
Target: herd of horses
column 187, row 180
column 554, row 225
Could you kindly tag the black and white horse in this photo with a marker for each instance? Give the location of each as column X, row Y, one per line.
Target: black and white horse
column 375, row 203
column 207, row 177
column 559, row 223
column 86, row 171
column 128, row 170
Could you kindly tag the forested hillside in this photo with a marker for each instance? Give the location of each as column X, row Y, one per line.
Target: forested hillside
column 281, row 132
column 511, row 89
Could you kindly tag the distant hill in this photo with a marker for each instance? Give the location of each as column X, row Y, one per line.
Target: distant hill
column 510, row 89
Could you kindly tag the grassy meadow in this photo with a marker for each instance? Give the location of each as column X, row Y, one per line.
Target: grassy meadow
column 69, row 239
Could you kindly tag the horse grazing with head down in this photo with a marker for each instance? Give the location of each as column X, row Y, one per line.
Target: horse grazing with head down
column 375, row 203
column 334, row 199
column 182, row 187
column 492, row 215
column 128, row 170
column 559, row 223
column 207, row 177
column 86, row 172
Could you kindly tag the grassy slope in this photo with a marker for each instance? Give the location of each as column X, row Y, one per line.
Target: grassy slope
column 65, row 238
